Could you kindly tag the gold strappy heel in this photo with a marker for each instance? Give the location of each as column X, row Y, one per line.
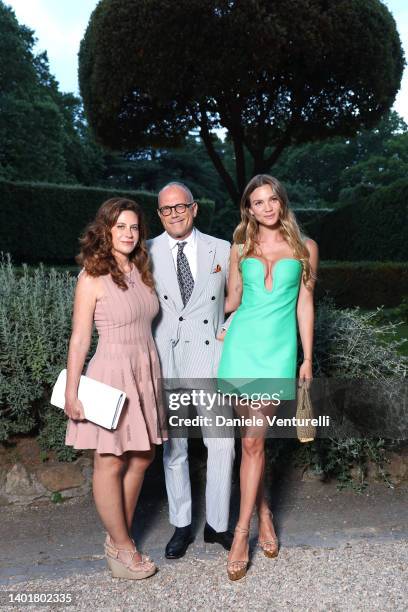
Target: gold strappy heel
column 270, row 548
column 237, row 569
column 121, row 564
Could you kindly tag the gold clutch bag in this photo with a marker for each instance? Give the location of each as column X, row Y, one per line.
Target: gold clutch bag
column 306, row 432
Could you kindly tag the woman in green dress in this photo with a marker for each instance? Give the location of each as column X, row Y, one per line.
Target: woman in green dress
column 270, row 286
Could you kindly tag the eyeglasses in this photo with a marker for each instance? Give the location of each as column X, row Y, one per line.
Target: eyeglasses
column 165, row 211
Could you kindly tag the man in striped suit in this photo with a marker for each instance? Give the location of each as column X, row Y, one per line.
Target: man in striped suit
column 190, row 270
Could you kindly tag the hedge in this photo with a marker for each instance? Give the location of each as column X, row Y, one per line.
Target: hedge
column 367, row 284
column 42, row 221
column 305, row 216
column 375, row 229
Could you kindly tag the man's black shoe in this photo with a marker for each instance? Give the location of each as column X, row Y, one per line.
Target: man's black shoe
column 221, row 537
column 179, row 542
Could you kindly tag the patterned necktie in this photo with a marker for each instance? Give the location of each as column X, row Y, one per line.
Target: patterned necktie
column 184, row 276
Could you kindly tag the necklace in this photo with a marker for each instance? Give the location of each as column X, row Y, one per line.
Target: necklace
column 129, row 280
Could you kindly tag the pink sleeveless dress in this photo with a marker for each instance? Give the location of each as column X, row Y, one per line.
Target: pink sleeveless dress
column 125, row 358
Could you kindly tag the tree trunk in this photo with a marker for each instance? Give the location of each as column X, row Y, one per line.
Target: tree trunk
column 215, row 158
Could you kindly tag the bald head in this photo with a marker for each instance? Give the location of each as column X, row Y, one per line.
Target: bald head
column 179, row 186
column 178, row 225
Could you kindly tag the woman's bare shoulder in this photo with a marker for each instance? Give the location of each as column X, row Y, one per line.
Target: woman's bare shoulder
column 86, row 283
column 311, row 246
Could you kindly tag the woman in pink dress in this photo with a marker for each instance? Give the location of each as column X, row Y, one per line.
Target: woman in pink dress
column 116, row 290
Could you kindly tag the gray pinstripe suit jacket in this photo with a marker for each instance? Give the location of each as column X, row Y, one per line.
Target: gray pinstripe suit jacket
column 186, row 336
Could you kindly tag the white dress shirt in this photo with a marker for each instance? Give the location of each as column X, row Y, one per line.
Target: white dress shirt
column 190, row 251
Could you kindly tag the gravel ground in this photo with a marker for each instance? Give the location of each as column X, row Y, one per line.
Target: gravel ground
column 364, row 575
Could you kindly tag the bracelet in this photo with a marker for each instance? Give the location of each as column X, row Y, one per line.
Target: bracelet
column 307, row 359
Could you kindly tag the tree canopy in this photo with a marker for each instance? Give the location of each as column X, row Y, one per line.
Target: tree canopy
column 152, row 169
column 328, row 173
column 43, row 133
column 271, row 73
column 30, row 133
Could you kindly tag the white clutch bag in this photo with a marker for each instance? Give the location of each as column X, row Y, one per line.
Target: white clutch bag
column 102, row 403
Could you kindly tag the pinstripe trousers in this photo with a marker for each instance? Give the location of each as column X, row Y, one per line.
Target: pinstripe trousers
column 220, row 460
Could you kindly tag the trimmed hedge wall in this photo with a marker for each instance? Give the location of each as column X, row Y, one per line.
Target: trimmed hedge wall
column 374, row 229
column 304, row 216
column 367, row 284
column 42, row 221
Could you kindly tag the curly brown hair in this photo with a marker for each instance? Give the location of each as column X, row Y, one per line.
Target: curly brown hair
column 96, row 244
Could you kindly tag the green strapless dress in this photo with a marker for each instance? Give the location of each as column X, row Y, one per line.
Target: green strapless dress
column 260, row 347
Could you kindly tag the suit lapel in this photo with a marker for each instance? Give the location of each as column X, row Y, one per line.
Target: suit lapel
column 205, row 260
column 165, row 269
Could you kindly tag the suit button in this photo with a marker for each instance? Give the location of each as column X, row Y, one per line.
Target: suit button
column 180, row 318
column 213, row 297
column 205, row 321
column 207, row 342
column 165, row 297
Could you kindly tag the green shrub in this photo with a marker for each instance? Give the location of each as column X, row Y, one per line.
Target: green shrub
column 346, row 460
column 53, row 425
column 41, row 222
column 35, row 326
column 401, row 311
column 374, row 229
column 305, row 216
column 367, row 284
column 352, row 344
column 225, row 220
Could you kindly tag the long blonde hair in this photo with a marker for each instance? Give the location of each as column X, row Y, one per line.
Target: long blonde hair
column 246, row 233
